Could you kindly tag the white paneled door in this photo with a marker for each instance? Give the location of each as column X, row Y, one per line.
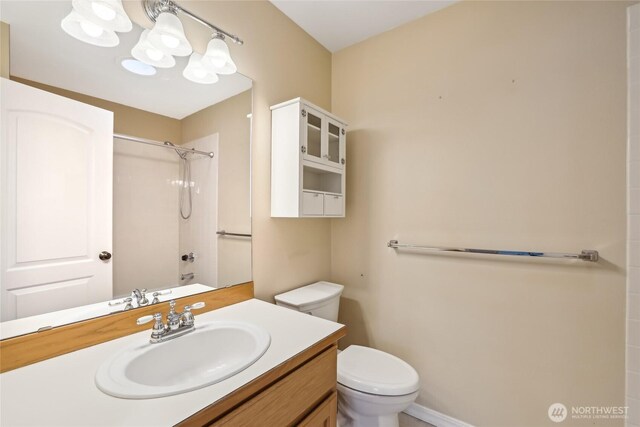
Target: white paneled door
column 56, row 158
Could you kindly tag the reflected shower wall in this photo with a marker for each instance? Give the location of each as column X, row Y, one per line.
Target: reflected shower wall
column 198, row 232
column 230, row 120
column 145, row 217
column 149, row 235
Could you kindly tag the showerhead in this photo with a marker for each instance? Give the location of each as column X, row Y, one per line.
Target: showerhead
column 182, row 155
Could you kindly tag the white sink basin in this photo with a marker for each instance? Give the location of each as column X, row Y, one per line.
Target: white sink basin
column 213, row 352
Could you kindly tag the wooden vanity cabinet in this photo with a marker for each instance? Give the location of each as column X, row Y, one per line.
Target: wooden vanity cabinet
column 299, row 392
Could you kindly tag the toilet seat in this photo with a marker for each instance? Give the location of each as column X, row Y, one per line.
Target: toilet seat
column 375, row 372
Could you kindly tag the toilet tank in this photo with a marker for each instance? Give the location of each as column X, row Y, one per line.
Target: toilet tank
column 320, row 299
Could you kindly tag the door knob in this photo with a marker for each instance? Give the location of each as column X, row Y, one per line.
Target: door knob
column 104, row 256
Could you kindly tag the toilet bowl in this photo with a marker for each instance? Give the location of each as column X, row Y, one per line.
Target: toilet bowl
column 373, row 386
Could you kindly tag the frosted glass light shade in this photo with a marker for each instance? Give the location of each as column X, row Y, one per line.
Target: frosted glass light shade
column 168, row 35
column 197, row 72
column 87, row 31
column 145, row 51
column 218, row 57
column 109, row 14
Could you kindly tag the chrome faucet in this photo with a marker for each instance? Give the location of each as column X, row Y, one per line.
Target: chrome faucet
column 140, row 299
column 177, row 324
column 140, row 296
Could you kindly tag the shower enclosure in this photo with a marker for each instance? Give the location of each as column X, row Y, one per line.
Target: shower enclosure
column 165, row 213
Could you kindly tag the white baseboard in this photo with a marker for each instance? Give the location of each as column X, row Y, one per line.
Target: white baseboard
column 435, row 418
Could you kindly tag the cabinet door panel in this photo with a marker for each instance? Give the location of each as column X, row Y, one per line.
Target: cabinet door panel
column 335, row 144
column 313, row 133
column 312, row 203
column 324, row 415
column 333, row 205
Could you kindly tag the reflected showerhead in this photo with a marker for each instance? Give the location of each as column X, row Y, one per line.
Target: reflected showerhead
column 186, row 181
column 182, row 155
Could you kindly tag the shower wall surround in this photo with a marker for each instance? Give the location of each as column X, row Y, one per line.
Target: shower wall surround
column 198, row 232
column 145, row 217
column 147, row 184
column 229, row 120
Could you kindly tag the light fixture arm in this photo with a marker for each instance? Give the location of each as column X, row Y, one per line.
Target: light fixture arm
column 153, row 8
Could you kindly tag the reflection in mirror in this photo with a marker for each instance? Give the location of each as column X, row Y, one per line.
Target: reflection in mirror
column 145, row 211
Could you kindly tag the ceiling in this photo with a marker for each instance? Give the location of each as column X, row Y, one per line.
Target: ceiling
column 41, row 51
column 338, row 24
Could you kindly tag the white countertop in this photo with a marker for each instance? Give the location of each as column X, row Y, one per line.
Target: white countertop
column 61, row 391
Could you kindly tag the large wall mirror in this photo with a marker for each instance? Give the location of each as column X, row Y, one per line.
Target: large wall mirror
column 172, row 222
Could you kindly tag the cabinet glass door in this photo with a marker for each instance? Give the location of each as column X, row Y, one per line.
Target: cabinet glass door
column 313, row 123
column 335, row 144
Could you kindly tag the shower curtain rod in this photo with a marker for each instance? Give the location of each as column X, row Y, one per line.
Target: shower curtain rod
column 160, row 144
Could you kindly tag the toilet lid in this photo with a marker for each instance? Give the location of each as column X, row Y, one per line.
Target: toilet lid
column 312, row 294
column 376, row 372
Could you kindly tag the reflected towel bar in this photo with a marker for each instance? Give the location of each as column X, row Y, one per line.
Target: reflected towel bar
column 586, row 255
column 226, row 233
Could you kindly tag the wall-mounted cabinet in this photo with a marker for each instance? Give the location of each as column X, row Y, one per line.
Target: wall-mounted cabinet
column 308, row 161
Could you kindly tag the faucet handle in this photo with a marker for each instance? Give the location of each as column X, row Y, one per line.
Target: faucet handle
column 156, row 300
column 119, row 301
column 194, row 306
column 144, row 319
column 116, row 302
column 187, row 317
column 158, row 329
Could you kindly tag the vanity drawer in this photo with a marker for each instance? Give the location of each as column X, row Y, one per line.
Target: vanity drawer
column 333, row 205
column 312, row 203
column 292, row 398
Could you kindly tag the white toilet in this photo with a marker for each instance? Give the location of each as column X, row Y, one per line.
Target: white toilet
column 373, row 386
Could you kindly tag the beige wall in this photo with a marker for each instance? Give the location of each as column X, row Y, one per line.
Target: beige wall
column 492, row 125
column 4, row 50
column 229, row 120
column 633, row 228
column 284, row 62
